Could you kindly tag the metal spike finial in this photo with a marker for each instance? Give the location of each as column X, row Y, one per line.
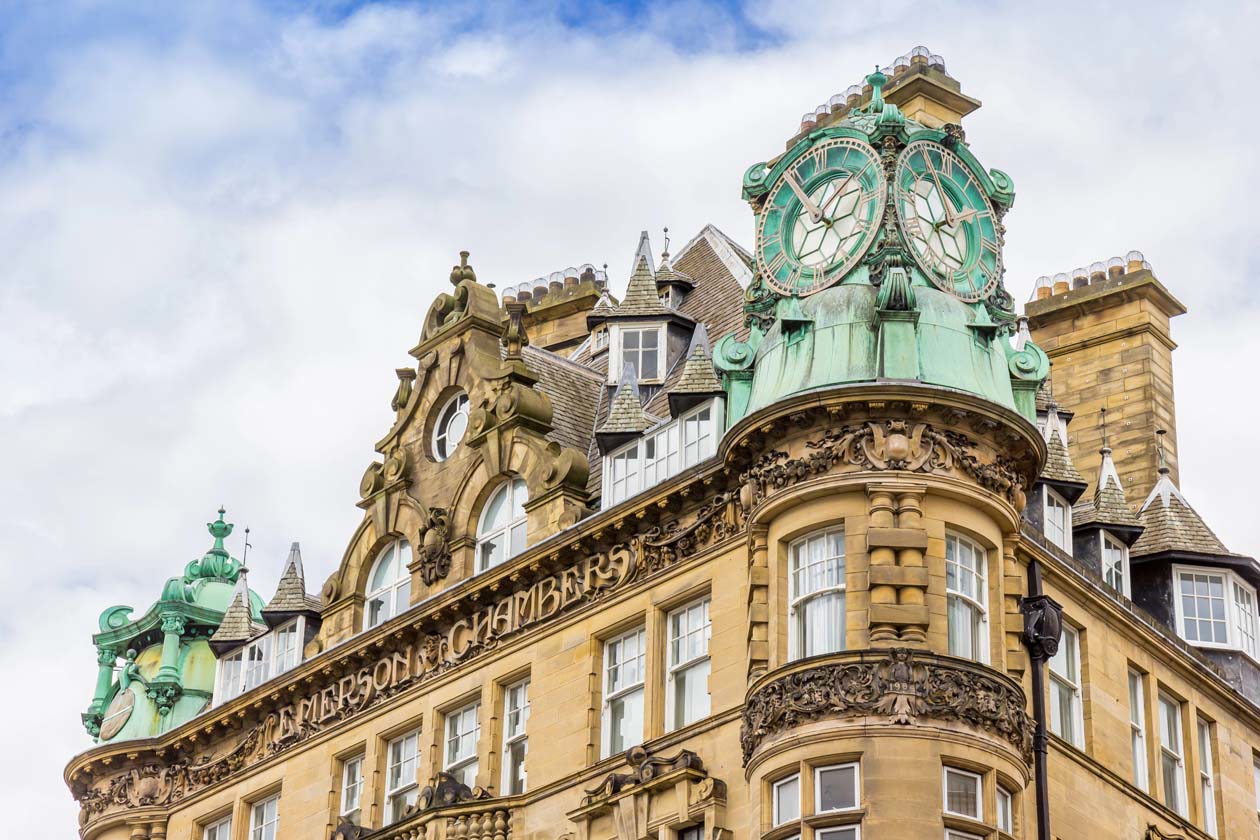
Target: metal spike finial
column 876, row 80
column 665, row 249
column 1102, row 420
column 245, row 550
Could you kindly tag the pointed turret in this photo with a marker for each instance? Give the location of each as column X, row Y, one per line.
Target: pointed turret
column 605, row 306
column 291, row 598
column 1171, row 525
column 1059, row 471
column 698, row 381
column 671, row 284
column 626, row 417
column 1108, row 508
column 641, row 298
column 238, row 625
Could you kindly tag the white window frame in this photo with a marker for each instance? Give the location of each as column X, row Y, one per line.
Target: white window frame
column 1074, row 683
column 511, row 536
column 976, row 778
column 599, row 340
column 662, row 452
column 1137, row 730
column 1241, row 628
column 255, row 663
column 837, row 831
column 220, row 829
column 955, row 544
column 857, row 788
column 260, row 822
column 1255, row 781
column 459, row 726
column 954, row 834
column 442, row 445
column 680, row 671
column 1004, row 804
column 515, row 734
column 798, row 631
column 1106, row 542
column 776, row 807
column 408, row 786
column 1065, row 540
column 624, row 693
column 1167, row 742
column 1207, row 776
column 617, row 361
column 390, row 591
column 352, row 784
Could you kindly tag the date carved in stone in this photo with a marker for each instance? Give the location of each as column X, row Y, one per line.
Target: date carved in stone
column 902, row 685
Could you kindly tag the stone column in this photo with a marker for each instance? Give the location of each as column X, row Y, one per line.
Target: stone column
column 758, row 601
column 882, row 561
column 913, row 591
column 172, row 628
column 105, row 659
column 1014, row 587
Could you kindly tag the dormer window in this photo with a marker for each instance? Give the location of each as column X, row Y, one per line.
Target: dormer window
column 501, row 534
column 643, row 348
column 599, row 339
column 662, row 452
column 389, row 585
column 1216, row 608
column 266, row 657
column 1058, row 520
column 1115, row 563
column 451, row 424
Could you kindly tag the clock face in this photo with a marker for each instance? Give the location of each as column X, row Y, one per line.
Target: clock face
column 820, row 216
column 947, row 221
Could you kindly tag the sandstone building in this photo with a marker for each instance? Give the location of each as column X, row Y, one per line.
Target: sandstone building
column 770, row 545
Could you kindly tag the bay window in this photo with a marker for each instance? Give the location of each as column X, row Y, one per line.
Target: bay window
column 622, row 718
column 1058, row 519
column 968, row 594
column 816, row 594
column 1115, row 563
column 661, row 452
column 1216, row 608
column 836, row 788
column 687, row 682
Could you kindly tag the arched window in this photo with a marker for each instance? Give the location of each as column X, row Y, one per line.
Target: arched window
column 449, row 429
column 389, row 585
column 501, row 534
column 816, row 589
column 968, row 596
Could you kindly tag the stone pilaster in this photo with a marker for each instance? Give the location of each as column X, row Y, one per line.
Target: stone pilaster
column 758, row 601
column 896, row 541
column 883, row 567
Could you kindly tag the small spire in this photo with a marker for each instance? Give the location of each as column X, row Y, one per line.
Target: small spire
column 665, row 249
column 876, row 80
column 1102, row 421
column 643, row 253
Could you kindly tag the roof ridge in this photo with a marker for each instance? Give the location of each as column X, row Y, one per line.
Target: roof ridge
column 554, row 356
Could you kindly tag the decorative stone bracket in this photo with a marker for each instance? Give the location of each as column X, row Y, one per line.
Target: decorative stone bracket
column 625, row 798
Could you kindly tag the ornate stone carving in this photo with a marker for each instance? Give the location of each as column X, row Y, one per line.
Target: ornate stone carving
column 883, row 445
column 902, row 685
column 433, row 554
column 665, row 545
column 1153, row 833
column 406, row 381
column 347, row 830
column 447, row 790
column 646, row 767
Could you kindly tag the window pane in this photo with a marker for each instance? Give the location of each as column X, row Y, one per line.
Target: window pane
column 837, row 788
column 1004, row 816
column 625, row 722
column 962, row 794
column 787, row 800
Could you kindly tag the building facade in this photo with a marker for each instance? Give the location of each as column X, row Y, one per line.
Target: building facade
column 755, row 550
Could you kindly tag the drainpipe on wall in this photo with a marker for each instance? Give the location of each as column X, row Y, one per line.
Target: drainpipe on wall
column 1043, row 629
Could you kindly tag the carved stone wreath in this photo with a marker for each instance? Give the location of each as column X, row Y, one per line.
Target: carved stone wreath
column 903, row 686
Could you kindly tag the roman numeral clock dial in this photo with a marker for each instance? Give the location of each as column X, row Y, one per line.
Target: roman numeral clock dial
column 947, row 221
column 820, row 216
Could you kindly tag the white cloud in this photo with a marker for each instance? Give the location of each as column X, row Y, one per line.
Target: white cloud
column 221, row 231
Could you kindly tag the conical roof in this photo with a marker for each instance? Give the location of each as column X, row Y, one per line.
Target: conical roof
column 1108, row 506
column 237, row 626
column 1172, row 525
column 1059, row 468
column 698, row 381
column 626, row 414
column 291, row 594
column 641, row 297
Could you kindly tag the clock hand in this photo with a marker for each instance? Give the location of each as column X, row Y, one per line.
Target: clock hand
column 949, row 214
column 815, row 214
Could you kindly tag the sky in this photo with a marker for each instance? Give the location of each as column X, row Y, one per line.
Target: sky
column 222, row 223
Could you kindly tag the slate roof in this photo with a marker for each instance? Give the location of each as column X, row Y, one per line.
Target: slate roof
column 642, row 299
column 698, row 375
column 626, row 414
column 291, row 595
column 237, row 626
column 1059, row 466
column 1172, row 525
column 1108, row 505
column 575, row 392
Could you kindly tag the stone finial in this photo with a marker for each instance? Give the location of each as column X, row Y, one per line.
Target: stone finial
column 463, row 271
column 216, row 562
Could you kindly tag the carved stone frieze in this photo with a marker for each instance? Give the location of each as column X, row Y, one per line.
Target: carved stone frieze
column 901, row 686
column 645, row 768
column 884, row 445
